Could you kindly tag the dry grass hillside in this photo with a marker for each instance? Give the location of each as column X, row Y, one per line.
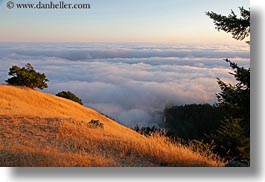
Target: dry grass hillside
column 39, row 129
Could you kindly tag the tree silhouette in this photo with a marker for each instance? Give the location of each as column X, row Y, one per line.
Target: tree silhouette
column 27, row 76
column 235, row 99
column 239, row 27
column 233, row 134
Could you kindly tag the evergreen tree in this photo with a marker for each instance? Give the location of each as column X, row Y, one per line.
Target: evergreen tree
column 231, row 141
column 233, row 135
column 239, row 27
column 235, row 99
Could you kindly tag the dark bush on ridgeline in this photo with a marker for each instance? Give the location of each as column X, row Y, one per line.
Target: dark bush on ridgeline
column 27, row 76
column 69, row 95
column 95, row 124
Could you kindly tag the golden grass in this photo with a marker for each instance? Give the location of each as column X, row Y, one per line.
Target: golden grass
column 39, row 129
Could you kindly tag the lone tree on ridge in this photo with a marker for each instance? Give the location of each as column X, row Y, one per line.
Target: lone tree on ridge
column 27, row 76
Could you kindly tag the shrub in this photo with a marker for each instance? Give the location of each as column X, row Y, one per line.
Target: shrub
column 95, row 124
column 27, row 76
column 204, row 149
column 69, row 95
column 148, row 131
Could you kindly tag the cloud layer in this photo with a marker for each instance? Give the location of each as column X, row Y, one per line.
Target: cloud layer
column 131, row 83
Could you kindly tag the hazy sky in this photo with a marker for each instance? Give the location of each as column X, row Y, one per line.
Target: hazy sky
column 165, row 21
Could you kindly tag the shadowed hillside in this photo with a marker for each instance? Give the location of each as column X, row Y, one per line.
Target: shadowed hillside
column 39, row 129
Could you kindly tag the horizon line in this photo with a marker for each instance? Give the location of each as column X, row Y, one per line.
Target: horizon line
column 122, row 42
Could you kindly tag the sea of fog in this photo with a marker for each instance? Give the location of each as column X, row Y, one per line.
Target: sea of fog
column 129, row 82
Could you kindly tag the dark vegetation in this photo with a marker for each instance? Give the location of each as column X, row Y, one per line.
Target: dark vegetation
column 69, row 95
column 233, row 135
column 191, row 122
column 148, row 131
column 95, row 124
column 27, row 76
column 239, row 27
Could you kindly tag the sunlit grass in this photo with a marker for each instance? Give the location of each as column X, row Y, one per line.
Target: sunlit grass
column 38, row 129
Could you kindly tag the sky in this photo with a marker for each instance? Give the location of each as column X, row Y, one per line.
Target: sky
column 162, row 21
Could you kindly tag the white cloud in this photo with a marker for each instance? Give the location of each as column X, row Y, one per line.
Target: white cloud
column 128, row 82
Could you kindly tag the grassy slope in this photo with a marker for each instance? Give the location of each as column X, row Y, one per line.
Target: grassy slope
column 38, row 129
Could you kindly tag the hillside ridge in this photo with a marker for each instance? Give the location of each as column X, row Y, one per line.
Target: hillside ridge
column 41, row 129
